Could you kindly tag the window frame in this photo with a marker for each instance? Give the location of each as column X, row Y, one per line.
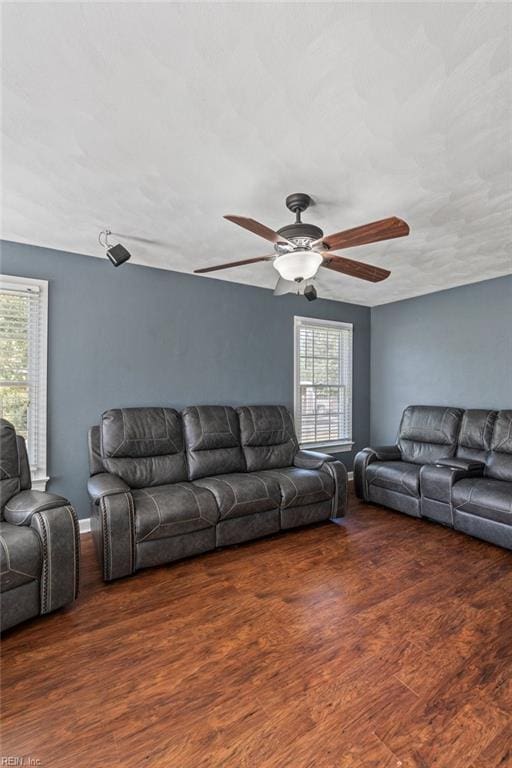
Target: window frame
column 333, row 446
column 13, row 282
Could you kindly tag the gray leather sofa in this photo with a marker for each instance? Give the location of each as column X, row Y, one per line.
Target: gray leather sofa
column 39, row 540
column 166, row 485
column 449, row 465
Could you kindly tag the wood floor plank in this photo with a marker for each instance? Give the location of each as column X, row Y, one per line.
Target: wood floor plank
column 380, row 641
column 498, row 752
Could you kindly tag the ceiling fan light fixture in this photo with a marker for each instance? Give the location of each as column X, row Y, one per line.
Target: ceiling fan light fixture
column 298, row 265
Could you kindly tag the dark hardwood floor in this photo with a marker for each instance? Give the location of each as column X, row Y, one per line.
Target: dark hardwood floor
column 384, row 641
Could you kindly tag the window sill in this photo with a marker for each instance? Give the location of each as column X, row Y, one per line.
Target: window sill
column 332, row 448
column 39, row 483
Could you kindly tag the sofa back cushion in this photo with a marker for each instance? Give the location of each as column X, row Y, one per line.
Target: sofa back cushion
column 212, row 440
column 143, row 446
column 428, row 433
column 475, row 434
column 499, row 460
column 9, row 464
column 268, row 436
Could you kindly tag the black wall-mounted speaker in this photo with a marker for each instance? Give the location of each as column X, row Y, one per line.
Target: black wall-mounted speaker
column 118, row 254
column 310, row 292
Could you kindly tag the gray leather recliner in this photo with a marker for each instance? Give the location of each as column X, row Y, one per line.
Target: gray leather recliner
column 390, row 475
column 473, row 491
column 39, row 540
column 469, row 488
column 166, row 485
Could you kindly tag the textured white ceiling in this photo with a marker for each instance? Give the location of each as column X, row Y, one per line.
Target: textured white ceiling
column 156, row 119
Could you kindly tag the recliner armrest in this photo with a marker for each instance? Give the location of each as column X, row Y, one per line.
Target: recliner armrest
column 467, row 465
column 21, row 508
column 364, row 458
column 59, row 534
column 437, row 480
column 311, row 459
column 105, row 484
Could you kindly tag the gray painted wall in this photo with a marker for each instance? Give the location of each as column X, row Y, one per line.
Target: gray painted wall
column 140, row 336
column 448, row 348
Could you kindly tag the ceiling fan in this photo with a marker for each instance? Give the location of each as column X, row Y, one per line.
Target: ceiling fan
column 301, row 249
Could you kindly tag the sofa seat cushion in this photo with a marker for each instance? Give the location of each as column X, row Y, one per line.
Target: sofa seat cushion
column 484, row 497
column 170, row 510
column 242, row 494
column 398, row 476
column 20, row 556
column 301, row 486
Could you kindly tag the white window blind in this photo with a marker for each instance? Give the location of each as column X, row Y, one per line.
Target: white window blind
column 23, row 343
column 323, row 382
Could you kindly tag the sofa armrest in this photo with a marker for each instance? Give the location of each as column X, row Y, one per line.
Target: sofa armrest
column 338, row 472
column 113, row 528
column 327, row 463
column 105, row 484
column 364, row 458
column 113, row 524
column 21, row 508
column 58, row 530
column 437, row 481
column 466, row 465
column 311, row 459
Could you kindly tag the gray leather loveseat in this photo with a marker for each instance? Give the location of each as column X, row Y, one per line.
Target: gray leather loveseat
column 166, row 485
column 39, row 540
column 450, row 465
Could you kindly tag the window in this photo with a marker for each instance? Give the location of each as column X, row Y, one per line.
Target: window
column 323, row 383
column 23, row 339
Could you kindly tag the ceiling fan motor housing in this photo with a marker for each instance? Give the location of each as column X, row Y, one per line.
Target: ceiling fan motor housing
column 301, row 230
column 298, row 202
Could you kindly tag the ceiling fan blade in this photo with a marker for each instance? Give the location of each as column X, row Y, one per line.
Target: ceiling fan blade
column 258, row 229
column 354, row 268
column 385, row 229
column 233, row 264
column 285, row 286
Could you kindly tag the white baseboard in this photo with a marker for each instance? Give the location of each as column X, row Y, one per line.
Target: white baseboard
column 85, row 525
